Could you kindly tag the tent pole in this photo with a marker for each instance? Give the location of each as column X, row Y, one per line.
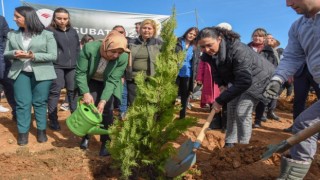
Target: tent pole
column 2, row 5
column 196, row 14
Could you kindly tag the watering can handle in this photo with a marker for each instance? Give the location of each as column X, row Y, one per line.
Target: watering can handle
column 92, row 107
column 205, row 127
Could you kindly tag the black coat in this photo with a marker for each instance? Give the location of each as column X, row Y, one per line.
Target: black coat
column 269, row 54
column 68, row 46
column 4, row 29
column 238, row 64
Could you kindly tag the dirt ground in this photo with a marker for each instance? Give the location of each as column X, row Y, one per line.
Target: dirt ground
column 61, row 158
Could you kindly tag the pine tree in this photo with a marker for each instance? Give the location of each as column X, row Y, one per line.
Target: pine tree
column 141, row 144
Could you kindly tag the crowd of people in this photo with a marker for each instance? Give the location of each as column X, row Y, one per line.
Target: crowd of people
column 239, row 81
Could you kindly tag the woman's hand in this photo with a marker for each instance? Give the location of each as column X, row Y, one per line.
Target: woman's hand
column 222, row 88
column 101, row 105
column 217, row 107
column 87, row 98
column 20, row 54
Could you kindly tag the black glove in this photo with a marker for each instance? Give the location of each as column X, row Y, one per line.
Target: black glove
column 272, row 90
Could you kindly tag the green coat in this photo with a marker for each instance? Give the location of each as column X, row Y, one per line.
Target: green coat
column 43, row 46
column 87, row 65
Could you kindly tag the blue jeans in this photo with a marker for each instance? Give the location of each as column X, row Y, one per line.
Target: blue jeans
column 124, row 101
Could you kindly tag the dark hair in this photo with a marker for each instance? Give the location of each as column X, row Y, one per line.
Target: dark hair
column 59, row 10
column 119, row 26
column 137, row 23
column 86, row 38
column 280, row 51
column 215, row 32
column 187, row 32
column 32, row 21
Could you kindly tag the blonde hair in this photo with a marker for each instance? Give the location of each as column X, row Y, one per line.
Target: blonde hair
column 260, row 32
column 152, row 23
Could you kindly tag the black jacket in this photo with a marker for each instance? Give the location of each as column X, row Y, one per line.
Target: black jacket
column 68, row 45
column 238, row 64
column 194, row 62
column 269, row 54
column 4, row 29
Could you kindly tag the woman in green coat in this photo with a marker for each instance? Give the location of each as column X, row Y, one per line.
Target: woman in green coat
column 98, row 77
column 33, row 49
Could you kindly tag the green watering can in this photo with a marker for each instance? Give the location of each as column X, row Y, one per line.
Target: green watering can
column 86, row 120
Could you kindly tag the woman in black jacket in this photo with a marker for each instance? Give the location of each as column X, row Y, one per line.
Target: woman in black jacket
column 259, row 45
column 241, row 75
column 68, row 51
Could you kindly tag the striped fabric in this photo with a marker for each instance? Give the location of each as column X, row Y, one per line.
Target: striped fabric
column 239, row 119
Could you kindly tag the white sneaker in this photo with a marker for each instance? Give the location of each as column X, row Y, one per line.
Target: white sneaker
column 3, row 109
column 189, row 106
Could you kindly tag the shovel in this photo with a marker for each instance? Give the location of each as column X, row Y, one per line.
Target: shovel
column 295, row 139
column 186, row 155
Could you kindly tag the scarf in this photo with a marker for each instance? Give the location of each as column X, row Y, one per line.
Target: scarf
column 258, row 47
column 114, row 40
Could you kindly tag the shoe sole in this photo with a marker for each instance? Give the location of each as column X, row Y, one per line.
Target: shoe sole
column 42, row 141
column 64, row 109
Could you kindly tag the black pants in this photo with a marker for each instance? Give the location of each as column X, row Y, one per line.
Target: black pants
column 8, row 91
column 301, row 86
column 65, row 78
column 96, row 88
column 288, row 86
column 183, row 84
column 131, row 87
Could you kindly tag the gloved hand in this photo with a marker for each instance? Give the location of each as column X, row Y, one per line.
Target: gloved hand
column 272, row 90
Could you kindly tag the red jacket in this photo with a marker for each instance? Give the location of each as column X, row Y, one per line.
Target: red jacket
column 210, row 90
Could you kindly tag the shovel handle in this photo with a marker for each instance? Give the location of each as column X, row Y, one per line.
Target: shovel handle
column 205, row 126
column 304, row 134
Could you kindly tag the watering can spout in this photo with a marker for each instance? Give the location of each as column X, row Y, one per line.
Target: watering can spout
column 97, row 131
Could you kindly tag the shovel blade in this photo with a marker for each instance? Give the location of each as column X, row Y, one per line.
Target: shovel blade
column 275, row 148
column 182, row 161
column 184, row 151
column 173, row 169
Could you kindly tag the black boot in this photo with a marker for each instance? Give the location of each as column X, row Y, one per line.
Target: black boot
column 103, row 150
column 85, row 142
column 228, row 145
column 54, row 125
column 257, row 123
column 289, row 129
column 272, row 115
column 41, row 136
column 216, row 122
column 23, row 138
column 263, row 118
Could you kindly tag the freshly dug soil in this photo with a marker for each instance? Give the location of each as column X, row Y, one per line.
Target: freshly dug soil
column 61, row 158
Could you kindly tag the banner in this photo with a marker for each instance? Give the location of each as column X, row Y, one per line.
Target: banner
column 97, row 23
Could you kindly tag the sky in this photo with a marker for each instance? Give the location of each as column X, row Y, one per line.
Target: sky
column 243, row 15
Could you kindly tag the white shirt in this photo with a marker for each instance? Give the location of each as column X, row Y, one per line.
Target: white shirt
column 26, row 39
